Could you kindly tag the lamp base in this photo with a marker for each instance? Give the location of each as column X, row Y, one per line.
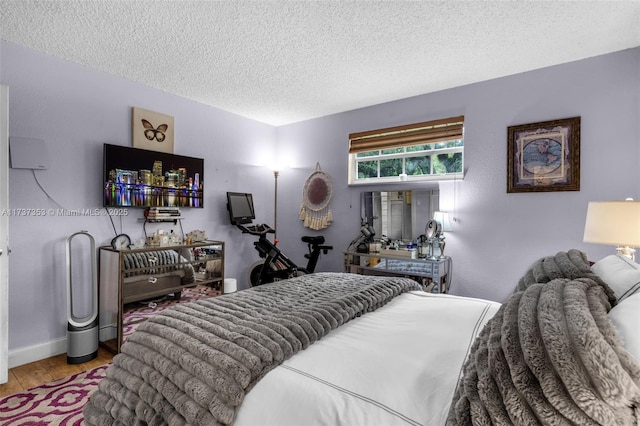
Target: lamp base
column 626, row 251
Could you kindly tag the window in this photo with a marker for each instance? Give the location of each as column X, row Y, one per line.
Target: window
column 432, row 150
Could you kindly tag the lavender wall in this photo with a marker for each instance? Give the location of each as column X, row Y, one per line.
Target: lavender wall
column 76, row 110
column 496, row 235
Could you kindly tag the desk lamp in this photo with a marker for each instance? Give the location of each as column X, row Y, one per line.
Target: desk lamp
column 614, row 223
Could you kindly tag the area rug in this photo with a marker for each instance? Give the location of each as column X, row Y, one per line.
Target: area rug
column 136, row 313
column 57, row 403
column 60, row 403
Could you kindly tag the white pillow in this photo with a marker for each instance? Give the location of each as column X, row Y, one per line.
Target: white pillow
column 620, row 273
column 625, row 317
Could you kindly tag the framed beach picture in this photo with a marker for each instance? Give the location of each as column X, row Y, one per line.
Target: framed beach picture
column 152, row 130
column 544, row 156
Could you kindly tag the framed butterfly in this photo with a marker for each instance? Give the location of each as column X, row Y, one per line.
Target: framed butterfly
column 151, row 133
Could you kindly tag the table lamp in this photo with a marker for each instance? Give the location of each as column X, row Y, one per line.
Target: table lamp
column 443, row 219
column 615, row 223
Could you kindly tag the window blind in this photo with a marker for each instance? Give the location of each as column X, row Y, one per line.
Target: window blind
column 411, row 134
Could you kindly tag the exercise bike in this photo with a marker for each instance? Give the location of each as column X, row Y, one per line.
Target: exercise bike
column 276, row 265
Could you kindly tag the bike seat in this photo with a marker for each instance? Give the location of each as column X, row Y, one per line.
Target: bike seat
column 313, row 240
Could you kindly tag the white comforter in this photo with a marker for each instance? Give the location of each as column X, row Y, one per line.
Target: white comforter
column 398, row 365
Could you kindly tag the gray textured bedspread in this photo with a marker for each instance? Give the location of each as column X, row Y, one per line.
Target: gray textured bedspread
column 194, row 363
column 550, row 355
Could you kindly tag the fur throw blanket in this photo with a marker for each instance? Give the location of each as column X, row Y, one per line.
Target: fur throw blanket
column 550, row 356
column 570, row 264
column 194, row 363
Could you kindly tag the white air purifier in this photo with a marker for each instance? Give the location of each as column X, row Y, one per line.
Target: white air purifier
column 82, row 296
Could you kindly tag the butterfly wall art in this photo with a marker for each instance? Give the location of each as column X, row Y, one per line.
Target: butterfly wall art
column 152, row 130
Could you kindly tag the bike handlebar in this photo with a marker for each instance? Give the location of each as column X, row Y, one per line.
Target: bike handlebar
column 260, row 229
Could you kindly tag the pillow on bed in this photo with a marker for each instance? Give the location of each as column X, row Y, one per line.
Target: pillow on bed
column 625, row 317
column 620, row 273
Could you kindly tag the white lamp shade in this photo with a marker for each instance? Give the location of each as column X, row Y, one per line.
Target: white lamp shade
column 443, row 218
column 613, row 222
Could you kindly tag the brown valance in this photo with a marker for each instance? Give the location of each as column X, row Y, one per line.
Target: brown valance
column 412, row 134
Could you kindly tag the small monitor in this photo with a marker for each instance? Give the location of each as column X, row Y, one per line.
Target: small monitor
column 240, row 206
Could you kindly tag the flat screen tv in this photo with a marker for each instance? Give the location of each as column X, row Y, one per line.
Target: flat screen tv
column 240, row 206
column 136, row 177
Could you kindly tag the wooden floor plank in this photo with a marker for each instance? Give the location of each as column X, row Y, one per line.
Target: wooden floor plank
column 58, row 367
column 11, row 387
column 104, row 357
column 40, row 372
column 32, row 374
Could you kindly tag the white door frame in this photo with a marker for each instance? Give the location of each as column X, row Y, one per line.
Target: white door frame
column 4, row 234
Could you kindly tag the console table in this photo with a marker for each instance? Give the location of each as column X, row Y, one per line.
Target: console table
column 425, row 271
column 132, row 275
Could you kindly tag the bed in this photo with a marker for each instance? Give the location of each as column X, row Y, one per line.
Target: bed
column 333, row 348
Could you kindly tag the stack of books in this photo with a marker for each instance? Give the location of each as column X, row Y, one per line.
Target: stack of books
column 162, row 213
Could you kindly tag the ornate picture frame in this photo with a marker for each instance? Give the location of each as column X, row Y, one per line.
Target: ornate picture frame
column 152, row 130
column 544, row 156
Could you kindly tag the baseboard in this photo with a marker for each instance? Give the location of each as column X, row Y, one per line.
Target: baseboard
column 23, row 356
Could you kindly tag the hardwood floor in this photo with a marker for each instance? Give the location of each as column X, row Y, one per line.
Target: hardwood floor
column 40, row 372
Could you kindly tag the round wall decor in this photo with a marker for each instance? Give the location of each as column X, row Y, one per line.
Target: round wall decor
column 316, row 196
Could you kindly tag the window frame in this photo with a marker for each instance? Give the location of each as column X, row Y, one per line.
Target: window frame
column 436, row 132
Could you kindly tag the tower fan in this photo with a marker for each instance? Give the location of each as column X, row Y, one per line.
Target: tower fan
column 82, row 331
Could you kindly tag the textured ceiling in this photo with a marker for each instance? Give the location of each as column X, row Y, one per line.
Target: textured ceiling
column 285, row 61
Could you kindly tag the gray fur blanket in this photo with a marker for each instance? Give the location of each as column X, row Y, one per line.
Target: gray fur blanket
column 570, row 264
column 194, row 363
column 550, row 356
